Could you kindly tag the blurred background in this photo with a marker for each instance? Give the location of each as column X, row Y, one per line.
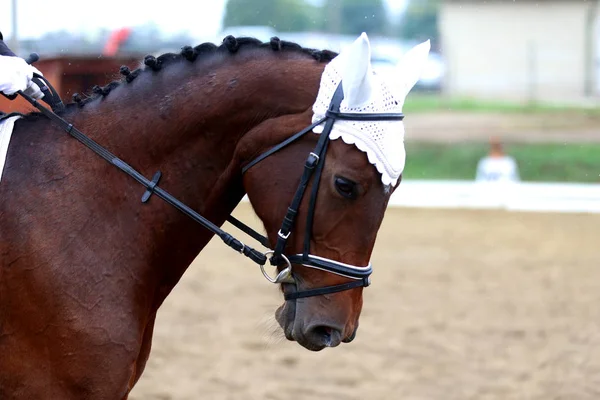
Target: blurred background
column 525, row 73
column 487, row 269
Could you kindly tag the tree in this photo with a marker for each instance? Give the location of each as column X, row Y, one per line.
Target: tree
column 420, row 21
column 355, row 16
column 283, row 15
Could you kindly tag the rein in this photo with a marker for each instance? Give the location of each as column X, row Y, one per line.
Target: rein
column 313, row 167
column 150, row 185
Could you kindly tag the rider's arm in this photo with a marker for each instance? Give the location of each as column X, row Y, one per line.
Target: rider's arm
column 16, row 75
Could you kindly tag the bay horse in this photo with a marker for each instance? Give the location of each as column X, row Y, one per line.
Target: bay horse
column 84, row 265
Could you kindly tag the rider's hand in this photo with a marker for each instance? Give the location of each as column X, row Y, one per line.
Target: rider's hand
column 15, row 75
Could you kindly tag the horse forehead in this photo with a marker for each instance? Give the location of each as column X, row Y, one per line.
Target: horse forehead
column 349, row 156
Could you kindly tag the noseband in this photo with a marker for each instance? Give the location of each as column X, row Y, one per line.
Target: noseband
column 313, row 167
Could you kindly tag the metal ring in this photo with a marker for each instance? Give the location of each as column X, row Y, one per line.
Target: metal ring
column 285, row 276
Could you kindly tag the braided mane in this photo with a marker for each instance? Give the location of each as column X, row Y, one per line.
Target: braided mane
column 230, row 45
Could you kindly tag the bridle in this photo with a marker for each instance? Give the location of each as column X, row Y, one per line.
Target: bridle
column 313, row 166
column 359, row 275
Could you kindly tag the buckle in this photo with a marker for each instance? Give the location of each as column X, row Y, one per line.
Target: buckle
column 310, row 163
column 284, row 237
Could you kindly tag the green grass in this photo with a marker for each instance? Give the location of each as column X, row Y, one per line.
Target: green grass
column 537, row 162
column 422, row 103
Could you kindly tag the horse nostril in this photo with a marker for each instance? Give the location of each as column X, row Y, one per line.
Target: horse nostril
column 351, row 337
column 323, row 335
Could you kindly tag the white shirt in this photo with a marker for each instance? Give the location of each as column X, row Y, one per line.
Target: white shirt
column 497, row 169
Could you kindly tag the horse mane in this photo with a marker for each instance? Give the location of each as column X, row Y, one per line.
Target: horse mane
column 229, row 45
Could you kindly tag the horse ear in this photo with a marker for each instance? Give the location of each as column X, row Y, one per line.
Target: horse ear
column 409, row 69
column 357, row 74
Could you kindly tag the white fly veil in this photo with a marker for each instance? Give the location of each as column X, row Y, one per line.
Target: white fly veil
column 367, row 92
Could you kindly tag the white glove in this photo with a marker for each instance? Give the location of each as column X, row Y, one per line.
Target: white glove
column 15, row 75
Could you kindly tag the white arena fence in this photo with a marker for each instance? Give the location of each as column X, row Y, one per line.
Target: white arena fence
column 529, row 196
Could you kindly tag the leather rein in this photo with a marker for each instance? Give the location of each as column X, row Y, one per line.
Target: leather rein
column 313, row 167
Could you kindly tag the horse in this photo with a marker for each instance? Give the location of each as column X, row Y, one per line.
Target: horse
column 84, row 265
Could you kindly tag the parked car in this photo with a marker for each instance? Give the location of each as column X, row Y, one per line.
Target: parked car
column 385, row 58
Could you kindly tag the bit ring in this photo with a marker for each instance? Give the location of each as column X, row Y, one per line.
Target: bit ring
column 284, row 276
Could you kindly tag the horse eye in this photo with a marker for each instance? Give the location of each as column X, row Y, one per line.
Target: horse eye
column 345, row 187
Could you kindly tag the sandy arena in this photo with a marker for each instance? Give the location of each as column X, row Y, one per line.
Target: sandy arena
column 464, row 305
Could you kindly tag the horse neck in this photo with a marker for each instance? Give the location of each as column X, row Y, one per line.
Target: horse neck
column 187, row 121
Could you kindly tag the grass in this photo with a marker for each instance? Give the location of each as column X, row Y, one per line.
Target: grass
column 537, row 162
column 422, row 103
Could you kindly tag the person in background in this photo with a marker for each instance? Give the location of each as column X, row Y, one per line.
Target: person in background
column 16, row 74
column 497, row 166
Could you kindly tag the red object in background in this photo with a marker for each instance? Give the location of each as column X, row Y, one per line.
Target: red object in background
column 74, row 73
column 115, row 40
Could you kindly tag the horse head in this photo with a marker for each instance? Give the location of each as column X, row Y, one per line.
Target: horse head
column 326, row 239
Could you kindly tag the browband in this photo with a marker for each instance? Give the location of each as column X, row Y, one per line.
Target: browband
column 365, row 116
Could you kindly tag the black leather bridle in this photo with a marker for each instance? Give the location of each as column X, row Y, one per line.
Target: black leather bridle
column 313, row 167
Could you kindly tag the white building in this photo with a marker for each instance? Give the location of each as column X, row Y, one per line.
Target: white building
column 543, row 50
